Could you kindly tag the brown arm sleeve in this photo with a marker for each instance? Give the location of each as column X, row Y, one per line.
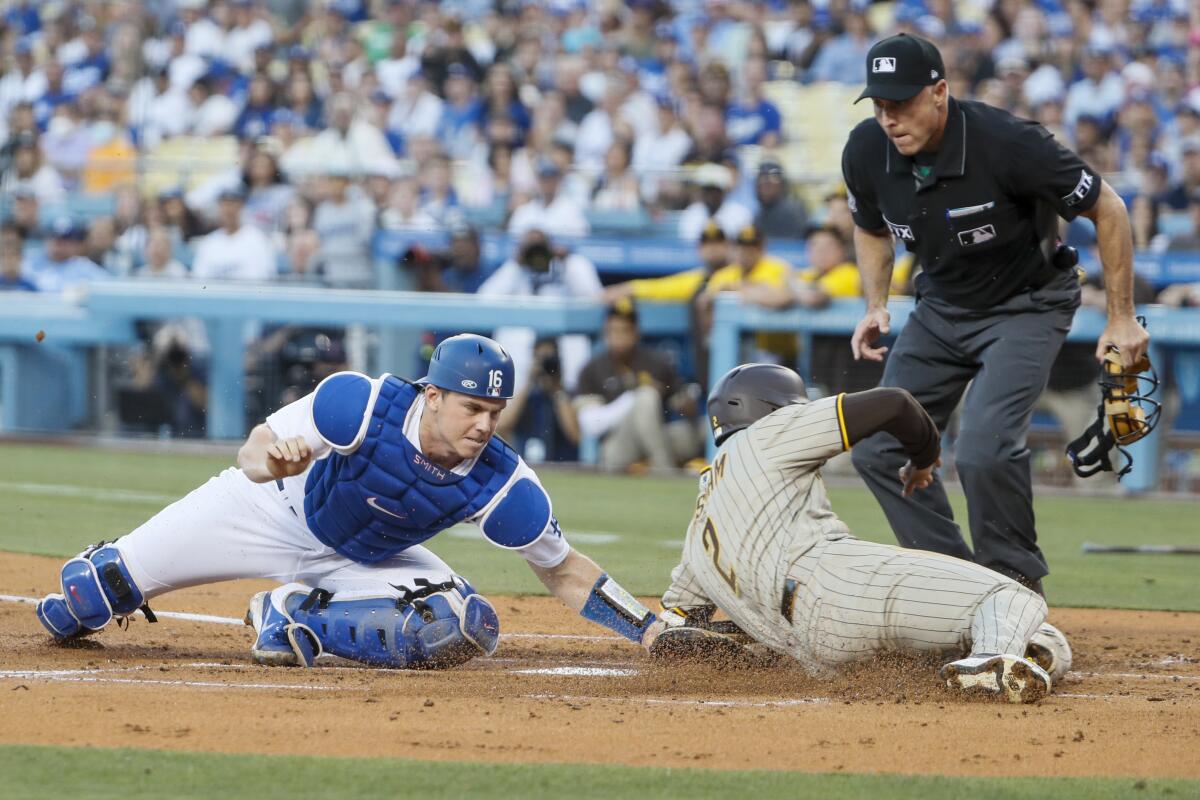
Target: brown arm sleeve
column 893, row 411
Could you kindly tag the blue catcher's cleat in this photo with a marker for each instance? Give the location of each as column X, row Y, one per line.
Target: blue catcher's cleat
column 281, row 640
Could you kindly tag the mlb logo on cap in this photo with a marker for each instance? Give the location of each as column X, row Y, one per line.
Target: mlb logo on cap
column 884, row 65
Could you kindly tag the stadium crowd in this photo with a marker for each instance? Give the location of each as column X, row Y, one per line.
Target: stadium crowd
column 309, row 127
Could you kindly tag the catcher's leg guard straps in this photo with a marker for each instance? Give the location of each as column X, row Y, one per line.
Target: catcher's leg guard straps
column 442, row 628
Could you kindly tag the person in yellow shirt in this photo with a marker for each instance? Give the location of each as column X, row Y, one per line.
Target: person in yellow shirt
column 752, row 273
column 830, row 274
column 681, row 287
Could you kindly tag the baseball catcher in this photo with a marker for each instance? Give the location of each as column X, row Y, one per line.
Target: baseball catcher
column 332, row 497
column 765, row 547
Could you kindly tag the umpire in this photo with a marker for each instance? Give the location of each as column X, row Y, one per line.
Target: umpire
column 975, row 194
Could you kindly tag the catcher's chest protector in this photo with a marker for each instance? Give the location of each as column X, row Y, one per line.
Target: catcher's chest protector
column 386, row 496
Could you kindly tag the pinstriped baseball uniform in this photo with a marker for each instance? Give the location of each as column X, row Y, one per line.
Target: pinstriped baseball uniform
column 765, row 547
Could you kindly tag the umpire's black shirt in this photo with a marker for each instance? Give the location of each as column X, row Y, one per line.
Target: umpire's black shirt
column 969, row 212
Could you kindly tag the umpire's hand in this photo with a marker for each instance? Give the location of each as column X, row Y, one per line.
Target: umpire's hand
column 1127, row 335
column 875, row 323
column 287, row 457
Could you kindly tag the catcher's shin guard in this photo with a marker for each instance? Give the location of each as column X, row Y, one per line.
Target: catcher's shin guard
column 96, row 588
column 431, row 626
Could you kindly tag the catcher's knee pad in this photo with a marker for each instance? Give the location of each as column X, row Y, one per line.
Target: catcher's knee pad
column 96, row 587
column 431, row 627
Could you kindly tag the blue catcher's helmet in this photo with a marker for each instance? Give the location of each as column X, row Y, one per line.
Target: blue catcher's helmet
column 471, row 364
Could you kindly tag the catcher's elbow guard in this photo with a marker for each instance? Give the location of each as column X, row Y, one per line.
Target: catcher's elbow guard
column 1125, row 415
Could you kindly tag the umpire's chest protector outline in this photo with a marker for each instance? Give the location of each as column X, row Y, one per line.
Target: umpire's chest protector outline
column 385, row 496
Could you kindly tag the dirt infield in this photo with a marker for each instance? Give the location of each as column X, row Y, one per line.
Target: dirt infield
column 561, row 691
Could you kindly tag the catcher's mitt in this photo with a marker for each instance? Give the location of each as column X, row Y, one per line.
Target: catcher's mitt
column 1125, row 415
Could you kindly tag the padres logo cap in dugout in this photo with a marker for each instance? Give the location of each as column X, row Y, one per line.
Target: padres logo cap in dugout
column 900, row 66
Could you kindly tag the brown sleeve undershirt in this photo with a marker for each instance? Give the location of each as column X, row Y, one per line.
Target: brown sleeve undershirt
column 893, row 411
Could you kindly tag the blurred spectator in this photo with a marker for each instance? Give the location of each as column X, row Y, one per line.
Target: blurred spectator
column 50, row 95
column 1098, row 93
column 502, row 105
column 460, row 269
column 539, row 269
column 446, row 47
column 394, row 71
column 63, row 267
column 658, row 152
column 438, row 197
column 157, row 258
column 180, row 220
column 301, row 99
column 26, row 214
column 617, row 188
column 348, row 140
column 713, row 182
column 66, row 145
column 598, row 129
column 12, row 260
column 460, row 129
column 234, row 251
column 1143, row 219
column 268, row 192
column 301, row 243
column 682, row 287
column 417, row 111
column 625, row 395
column 403, row 210
column 254, row 120
column 169, row 387
column 30, row 171
column 843, row 58
column 539, row 420
column 1181, row 192
column 551, row 211
column 344, row 225
column 209, row 112
column 779, row 213
column 1189, row 241
column 21, row 81
column 751, row 119
column 751, row 274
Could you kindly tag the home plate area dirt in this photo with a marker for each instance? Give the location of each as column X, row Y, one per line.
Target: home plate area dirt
column 561, row 690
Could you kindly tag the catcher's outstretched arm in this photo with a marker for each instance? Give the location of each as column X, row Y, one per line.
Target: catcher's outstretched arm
column 582, row 586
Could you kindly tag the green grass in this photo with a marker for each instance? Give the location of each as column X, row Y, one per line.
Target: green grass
column 31, row 773
column 121, row 490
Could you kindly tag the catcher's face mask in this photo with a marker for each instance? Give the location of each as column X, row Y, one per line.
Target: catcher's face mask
column 1125, row 415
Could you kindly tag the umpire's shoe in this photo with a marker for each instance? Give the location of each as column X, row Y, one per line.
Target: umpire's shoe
column 281, row 640
column 1014, row 678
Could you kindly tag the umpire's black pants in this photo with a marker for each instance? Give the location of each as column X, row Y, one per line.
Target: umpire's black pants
column 1005, row 353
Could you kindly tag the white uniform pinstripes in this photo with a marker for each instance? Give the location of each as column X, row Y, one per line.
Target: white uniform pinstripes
column 763, row 520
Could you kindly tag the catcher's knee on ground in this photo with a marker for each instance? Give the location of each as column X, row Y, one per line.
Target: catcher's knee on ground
column 96, row 587
column 433, row 626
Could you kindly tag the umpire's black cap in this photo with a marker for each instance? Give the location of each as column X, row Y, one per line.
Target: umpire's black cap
column 900, row 66
column 747, row 393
